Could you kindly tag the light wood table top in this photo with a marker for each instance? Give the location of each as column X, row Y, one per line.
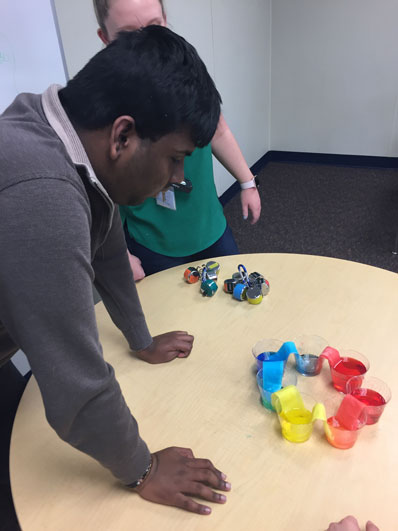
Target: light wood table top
column 210, row 403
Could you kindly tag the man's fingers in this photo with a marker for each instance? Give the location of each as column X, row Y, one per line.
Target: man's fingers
column 179, row 333
column 187, row 339
column 186, row 503
column 200, row 490
column 349, row 523
column 186, row 452
column 210, row 478
column 371, row 527
column 202, row 463
column 255, row 210
column 173, row 354
column 176, row 341
column 180, row 351
column 255, row 215
column 181, row 345
column 182, row 333
column 154, row 359
column 206, row 464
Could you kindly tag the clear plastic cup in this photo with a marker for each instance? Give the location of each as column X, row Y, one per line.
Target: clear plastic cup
column 264, row 350
column 309, row 348
column 297, row 422
column 372, row 392
column 351, row 363
column 289, row 378
column 340, row 434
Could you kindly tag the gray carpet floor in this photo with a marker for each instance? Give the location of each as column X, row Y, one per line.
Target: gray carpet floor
column 342, row 212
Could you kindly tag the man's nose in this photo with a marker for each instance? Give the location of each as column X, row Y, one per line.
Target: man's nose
column 178, row 175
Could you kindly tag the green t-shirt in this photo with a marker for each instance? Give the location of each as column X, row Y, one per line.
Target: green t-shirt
column 197, row 222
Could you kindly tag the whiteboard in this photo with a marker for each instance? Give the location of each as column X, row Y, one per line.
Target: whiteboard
column 31, row 55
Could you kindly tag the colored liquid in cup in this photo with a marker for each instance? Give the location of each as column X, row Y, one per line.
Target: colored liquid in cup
column 345, row 369
column 308, row 364
column 373, row 400
column 296, row 424
column 338, row 436
column 265, row 356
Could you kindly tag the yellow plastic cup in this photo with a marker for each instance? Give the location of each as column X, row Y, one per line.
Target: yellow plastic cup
column 296, row 413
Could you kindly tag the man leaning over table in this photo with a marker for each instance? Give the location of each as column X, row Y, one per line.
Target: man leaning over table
column 66, row 158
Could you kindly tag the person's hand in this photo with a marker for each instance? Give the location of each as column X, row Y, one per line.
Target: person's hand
column 136, row 267
column 166, row 347
column 176, row 475
column 349, row 523
column 250, row 201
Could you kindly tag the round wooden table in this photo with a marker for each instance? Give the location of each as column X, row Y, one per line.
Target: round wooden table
column 210, row 403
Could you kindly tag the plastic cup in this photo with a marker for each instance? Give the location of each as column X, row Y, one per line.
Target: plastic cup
column 351, row 363
column 338, row 436
column 337, row 432
column 297, row 423
column 309, row 348
column 372, row 392
column 264, row 350
column 289, row 378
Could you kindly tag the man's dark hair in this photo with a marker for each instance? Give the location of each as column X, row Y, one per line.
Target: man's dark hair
column 152, row 75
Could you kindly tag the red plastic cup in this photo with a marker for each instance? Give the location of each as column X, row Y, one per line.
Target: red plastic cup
column 350, row 364
column 372, row 392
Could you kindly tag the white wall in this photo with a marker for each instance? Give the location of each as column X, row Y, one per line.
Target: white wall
column 233, row 39
column 335, row 76
column 78, row 29
column 29, row 59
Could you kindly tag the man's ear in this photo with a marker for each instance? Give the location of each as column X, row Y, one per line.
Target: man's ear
column 101, row 34
column 123, row 136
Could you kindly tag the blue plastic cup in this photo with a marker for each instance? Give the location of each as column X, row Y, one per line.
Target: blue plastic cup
column 289, row 378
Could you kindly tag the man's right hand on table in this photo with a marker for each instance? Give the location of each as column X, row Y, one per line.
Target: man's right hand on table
column 166, row 347
column 176, row 475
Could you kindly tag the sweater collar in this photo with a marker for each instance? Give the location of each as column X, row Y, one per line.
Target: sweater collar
column 63, row 127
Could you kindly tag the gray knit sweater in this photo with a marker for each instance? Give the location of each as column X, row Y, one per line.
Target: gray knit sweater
column 59, row 233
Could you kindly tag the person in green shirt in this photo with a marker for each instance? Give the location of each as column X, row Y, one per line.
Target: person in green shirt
column 176, row 227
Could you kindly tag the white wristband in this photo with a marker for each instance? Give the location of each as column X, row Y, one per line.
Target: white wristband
column 248, row 184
